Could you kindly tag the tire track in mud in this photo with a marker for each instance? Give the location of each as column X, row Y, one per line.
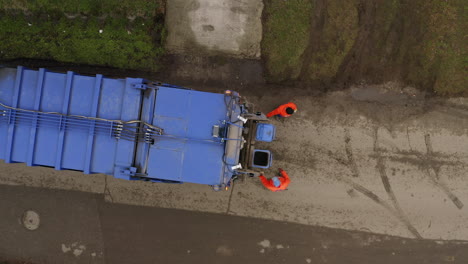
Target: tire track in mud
column 432, row 172
column 374, row 197
column 396, row 209
column 388, row 188
column 408, row 138
column 228, row 209
column 349, row 154
column 433, row 176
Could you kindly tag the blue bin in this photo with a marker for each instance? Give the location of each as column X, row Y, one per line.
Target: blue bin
column 265, row 132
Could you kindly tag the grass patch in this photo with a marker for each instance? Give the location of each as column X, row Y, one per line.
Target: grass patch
column 420, row 42
column 286, row 36
column 432, row 51
column 338, row 35
column 143, row 8
column 122, row 34
column 445, row 45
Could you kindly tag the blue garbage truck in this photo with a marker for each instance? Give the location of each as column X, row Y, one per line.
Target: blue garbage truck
column 130, row 128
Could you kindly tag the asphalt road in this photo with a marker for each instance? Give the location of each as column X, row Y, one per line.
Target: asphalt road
column 79, row 227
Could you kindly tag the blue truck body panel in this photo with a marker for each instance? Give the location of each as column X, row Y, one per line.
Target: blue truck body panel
column 58, row 143
column 192, row 155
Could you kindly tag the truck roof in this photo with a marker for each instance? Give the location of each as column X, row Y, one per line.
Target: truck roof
column 192, row 155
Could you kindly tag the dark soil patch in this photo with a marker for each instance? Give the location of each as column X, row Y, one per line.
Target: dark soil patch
column 206, row 73
column 417, row 42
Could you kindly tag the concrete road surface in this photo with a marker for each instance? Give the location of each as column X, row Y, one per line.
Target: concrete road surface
column 377, row 159
column 78, row 227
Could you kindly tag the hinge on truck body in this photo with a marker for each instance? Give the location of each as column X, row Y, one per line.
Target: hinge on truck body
column 128, row 173
column 131, row 171
column 140, row 86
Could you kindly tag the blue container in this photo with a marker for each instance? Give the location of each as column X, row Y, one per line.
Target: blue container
column 265, row 132
column 129, row 128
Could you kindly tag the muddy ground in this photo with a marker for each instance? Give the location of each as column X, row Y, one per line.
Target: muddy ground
column 180, row 69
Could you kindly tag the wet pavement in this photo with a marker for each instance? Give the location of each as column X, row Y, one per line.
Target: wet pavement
column 78, row 227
